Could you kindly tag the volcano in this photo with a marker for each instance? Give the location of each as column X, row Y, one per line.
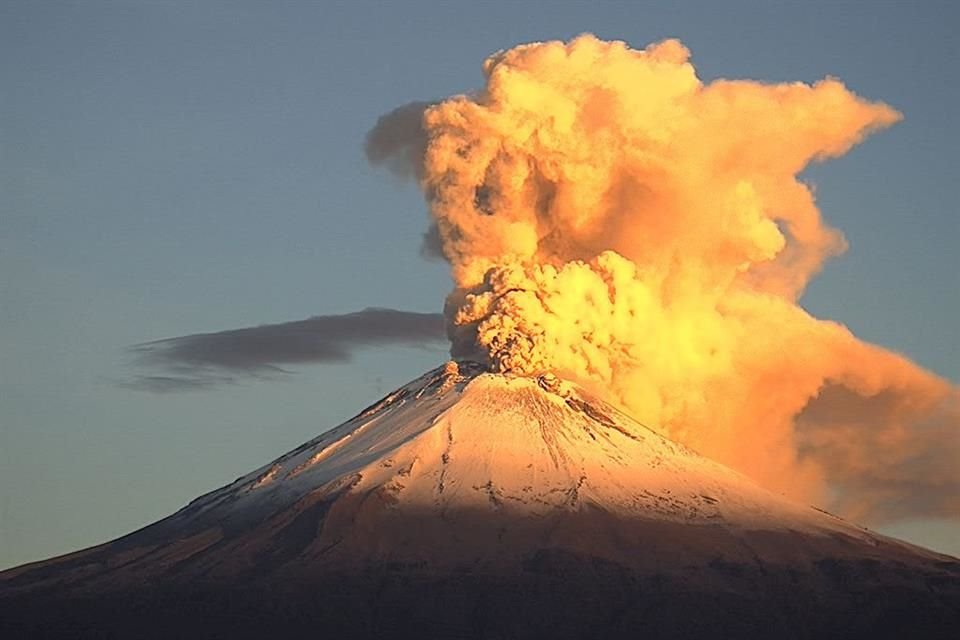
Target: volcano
column 480, row 505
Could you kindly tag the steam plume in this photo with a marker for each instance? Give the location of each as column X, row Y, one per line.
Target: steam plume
column 612, row 219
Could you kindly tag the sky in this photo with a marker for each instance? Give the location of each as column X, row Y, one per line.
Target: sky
column 174, row 168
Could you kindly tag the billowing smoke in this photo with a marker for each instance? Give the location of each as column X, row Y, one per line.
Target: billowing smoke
column 610, row 218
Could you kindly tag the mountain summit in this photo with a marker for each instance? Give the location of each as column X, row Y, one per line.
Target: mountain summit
column 474, row 504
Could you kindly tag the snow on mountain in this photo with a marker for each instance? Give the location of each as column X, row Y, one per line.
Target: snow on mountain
column 474, row 477
column 465, row 441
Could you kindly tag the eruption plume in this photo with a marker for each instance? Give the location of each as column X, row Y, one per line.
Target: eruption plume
column 610, row 218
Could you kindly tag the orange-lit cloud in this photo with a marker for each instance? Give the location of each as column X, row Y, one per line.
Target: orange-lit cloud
column 612, row 219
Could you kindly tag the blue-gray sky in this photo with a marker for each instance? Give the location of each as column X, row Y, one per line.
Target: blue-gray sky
column 180, row 168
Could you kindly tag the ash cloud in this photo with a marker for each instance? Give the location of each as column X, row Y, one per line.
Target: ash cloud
column 204, row 360
column 894, row 452
column 611, row 218
column 399, row 140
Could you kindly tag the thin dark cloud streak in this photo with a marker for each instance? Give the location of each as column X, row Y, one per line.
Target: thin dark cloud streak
column 205, row 360
column 173, row 384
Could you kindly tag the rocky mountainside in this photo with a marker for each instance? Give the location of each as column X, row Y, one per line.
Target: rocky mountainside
column 472, row 504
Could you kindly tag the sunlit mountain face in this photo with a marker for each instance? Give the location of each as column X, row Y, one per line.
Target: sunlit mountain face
column 477, row 504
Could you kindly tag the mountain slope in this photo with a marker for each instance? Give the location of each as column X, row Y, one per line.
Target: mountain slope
column 496, row 498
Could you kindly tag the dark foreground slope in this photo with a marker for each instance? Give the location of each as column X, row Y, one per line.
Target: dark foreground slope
column 554, row 594
column 466, row 505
